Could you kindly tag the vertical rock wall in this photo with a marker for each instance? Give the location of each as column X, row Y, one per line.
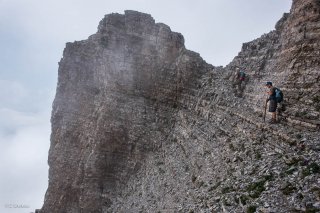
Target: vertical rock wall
column 116, row 99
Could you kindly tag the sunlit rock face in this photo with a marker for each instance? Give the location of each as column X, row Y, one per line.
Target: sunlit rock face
column 141, row 124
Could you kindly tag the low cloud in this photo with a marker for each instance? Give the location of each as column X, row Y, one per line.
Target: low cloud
column 23, row 157
column 24, row 145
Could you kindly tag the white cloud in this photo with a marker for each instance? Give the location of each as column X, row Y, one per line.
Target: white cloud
column 23, row 158
column 24, row 145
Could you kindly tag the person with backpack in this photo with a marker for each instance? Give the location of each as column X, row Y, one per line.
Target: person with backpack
column 242, row 76
column 239, row 81
column 275, row 97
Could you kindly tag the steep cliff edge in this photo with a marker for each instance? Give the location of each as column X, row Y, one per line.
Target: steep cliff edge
column 141, row 124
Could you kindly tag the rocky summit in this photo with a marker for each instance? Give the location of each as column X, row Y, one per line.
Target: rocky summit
column 141, row 124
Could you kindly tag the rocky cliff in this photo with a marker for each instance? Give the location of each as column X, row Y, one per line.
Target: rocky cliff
column 141, row 124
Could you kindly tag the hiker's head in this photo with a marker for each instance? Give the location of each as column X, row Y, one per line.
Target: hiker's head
column 268, row 84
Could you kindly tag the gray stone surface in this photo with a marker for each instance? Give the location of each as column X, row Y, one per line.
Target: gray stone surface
column 141, row 124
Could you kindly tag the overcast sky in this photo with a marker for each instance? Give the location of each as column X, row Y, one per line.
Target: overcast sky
column 33, row 34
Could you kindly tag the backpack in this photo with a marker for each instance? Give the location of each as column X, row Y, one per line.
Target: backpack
column 242, row 75
column 279, row 95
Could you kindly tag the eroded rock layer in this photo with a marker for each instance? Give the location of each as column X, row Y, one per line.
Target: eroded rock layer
column 141, row 124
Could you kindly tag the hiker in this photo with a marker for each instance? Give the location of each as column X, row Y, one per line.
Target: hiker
column 238, row 79
column 272, row 101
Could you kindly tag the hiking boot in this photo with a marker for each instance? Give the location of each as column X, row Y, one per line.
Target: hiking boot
column 272, row 121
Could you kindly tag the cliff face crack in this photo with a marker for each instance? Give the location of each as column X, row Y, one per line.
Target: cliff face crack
column 141, row 124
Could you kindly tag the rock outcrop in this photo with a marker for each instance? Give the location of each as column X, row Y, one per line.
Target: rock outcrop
column 141, row 124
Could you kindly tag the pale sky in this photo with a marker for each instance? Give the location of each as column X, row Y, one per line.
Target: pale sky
column 33, row 34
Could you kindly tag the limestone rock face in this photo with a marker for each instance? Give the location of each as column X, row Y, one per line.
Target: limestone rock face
column 141, row 124
column 116, row 101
